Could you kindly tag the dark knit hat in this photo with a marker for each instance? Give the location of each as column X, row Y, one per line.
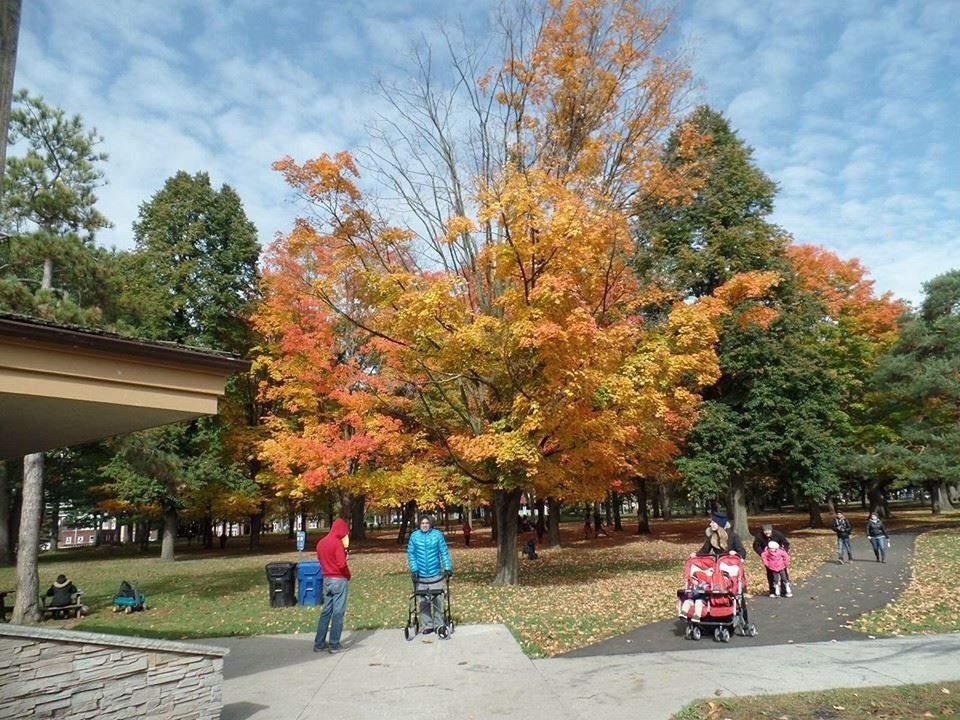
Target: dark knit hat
column 719, row 518
column 767, row 528
column 61, row 581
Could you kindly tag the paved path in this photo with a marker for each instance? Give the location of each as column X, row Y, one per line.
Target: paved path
column 650, row 673
column 818, row 611
column 481, row 673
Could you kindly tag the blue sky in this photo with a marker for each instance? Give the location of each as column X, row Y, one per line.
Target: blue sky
column 851, row 106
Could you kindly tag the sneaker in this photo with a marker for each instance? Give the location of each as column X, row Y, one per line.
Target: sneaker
column 840, row 560
column 334, row 650
column 773, row 594
column 321, row 648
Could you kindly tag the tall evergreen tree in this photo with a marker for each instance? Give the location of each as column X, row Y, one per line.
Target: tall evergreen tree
column 769, row 415
column 196, row 256
column 192, row 279
column 916, row 395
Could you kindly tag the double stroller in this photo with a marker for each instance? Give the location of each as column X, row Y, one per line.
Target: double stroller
column 437, row 601
column 712, row 598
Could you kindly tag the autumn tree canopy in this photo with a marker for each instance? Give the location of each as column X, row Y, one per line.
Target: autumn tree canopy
column 499, row 317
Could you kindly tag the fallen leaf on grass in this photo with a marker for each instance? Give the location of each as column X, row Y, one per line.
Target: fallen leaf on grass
column 945, row 691
column 839, row 707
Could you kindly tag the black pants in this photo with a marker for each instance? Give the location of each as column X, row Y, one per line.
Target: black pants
column 772, row 577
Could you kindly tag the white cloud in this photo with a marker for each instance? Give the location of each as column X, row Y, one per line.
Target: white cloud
column 851, row 107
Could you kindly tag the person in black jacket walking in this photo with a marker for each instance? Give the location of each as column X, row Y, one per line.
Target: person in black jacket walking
column 764, row 535
column 877, row 534
column 842, row 527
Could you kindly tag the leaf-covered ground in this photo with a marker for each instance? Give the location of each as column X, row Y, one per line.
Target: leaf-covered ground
column 905, row 702
column 571, row 597
column 925, row 606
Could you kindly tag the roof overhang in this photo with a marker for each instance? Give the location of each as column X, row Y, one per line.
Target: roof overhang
column 62, row 386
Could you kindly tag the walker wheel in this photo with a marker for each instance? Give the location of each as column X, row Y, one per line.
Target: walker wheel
column 752, row 630
column 127, row 610
column 724, row 635
column 442, row 632
column 695, row 633
column 688, row 632
column 409, row 633
column 116, row 608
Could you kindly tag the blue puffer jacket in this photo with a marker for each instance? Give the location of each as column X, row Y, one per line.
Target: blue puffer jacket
column 426, row 551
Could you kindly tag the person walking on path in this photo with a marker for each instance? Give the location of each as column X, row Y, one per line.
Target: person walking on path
column 877, row 534
column 776, row 560
column 843, row 528
column 466, row 532
column 332, row 554
column 764, row 535
column 721, row 539
column 429, row 562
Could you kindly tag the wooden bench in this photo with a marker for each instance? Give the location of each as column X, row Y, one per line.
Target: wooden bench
column 53, row 611
column 67, row 610
column 3, row 603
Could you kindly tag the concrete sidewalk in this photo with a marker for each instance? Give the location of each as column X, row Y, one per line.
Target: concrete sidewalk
column 481, row 673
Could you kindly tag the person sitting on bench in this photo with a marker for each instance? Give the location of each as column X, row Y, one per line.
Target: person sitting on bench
column 62, row 594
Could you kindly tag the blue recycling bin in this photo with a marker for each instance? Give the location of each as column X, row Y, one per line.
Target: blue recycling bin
column 309, row 583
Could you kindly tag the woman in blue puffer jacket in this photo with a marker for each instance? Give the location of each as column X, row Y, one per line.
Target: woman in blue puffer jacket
column 429, row 561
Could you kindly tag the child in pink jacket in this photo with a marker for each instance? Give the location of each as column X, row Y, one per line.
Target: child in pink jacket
column 777, row 560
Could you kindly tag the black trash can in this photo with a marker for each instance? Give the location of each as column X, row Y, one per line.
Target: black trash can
column 281, row 578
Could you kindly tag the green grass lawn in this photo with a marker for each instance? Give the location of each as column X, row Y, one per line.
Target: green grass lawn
column 924, row 607
column 571, row 597
column 904, row 702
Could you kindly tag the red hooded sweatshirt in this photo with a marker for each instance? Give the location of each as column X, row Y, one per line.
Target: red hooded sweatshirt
column 330, row 552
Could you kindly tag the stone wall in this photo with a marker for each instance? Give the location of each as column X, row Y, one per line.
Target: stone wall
column 50, row 673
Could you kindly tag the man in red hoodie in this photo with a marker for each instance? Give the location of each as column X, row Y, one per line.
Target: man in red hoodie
column 336, row 577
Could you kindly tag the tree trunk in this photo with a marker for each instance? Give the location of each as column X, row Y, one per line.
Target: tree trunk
column 9, row 35
column 737, row 502
column 813, row 508
column 55, row 524
column 169, row 535
column 6, row 538
column 875, row 496
column 643, row 516
column 665, row 492
column 206, row 529
column 608, row 509
column 256, row 528
column 553, row 529
column 26, row 609
column 615, row 503
column 291, row 524
column 506, row 506
column 358, row 521
column 939, row 498
column 408, row 514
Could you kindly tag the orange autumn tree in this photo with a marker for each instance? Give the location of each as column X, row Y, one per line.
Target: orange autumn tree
column 328, row 426
column 500, row 303
column 858, row 328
